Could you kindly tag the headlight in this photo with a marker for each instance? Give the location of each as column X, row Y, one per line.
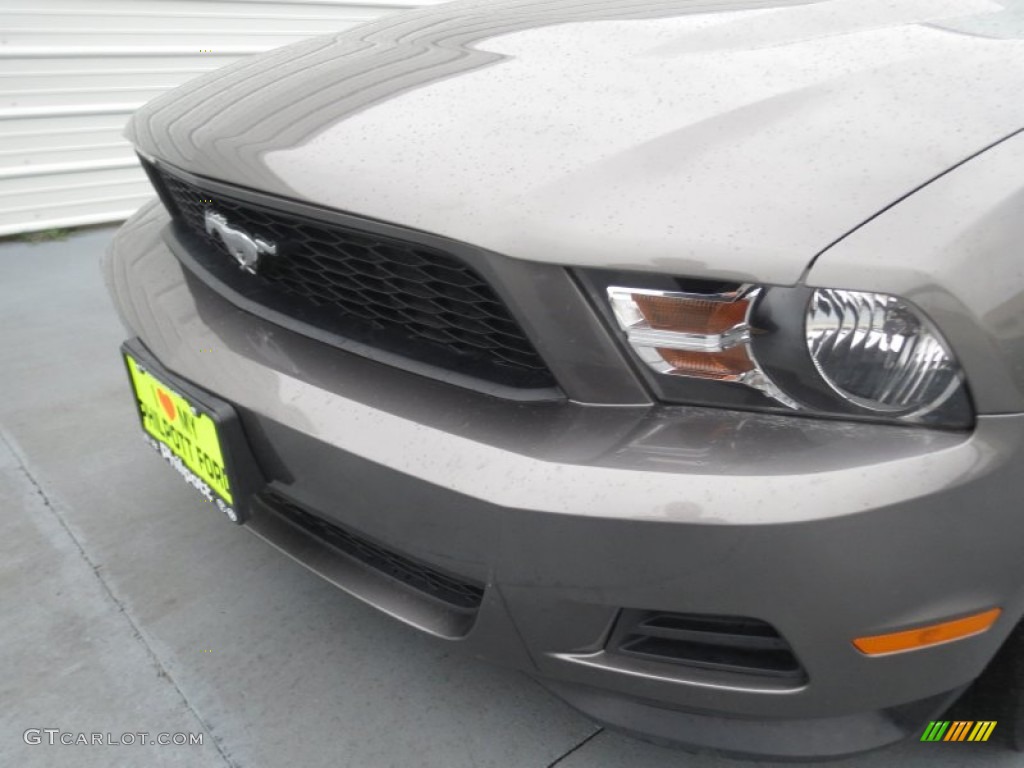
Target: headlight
column 815, row 351
column 879, row 352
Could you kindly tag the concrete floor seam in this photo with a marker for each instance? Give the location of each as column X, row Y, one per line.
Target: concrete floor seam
column 289, row 669
column 576, row 748
column 162, row 671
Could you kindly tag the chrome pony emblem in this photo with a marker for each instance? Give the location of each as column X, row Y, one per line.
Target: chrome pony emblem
column 245, row 248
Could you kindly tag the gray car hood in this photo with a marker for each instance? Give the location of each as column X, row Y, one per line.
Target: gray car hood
column 729, row 138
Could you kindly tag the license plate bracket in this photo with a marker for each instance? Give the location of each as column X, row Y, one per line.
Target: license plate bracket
column 197, row 433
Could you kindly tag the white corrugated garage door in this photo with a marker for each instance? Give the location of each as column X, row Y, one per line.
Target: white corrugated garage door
column 71, row 71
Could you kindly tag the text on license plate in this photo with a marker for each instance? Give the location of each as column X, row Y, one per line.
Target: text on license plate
column 189, row 434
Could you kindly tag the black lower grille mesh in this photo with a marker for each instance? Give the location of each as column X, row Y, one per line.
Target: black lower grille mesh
column 396, row 295
column 423, row 578
column 722, row 643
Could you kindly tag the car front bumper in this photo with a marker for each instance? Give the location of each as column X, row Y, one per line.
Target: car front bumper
column 568, row 514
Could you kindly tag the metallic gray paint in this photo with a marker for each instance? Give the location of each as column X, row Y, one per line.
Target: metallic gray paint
column 954, row 249
column 828, row 530
column 763, row 133
column 724, row 138
column 582, row 356
column 267, row 362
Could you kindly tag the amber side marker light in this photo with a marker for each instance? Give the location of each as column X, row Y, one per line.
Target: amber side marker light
column 933, row 634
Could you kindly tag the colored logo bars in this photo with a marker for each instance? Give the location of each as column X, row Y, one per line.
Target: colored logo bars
column 958, row 730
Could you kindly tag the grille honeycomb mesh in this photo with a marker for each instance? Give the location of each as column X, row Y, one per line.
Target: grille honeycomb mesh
column 370, row 283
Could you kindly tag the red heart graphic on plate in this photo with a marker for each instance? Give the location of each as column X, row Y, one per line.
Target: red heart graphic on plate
column 167, row 404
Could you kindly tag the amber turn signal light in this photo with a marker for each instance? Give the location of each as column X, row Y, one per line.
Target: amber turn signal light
column 691, row 315
column 696, row 335
column 922, row 637
column 727, row 365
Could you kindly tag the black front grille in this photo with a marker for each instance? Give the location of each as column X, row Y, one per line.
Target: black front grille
column 394, row 295
column 423, row 578
column 721, row 643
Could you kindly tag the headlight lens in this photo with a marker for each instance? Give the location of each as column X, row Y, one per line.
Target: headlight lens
column 817, row 351
column 879, row 352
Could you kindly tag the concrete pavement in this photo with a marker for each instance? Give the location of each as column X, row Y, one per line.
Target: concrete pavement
column 128, row 606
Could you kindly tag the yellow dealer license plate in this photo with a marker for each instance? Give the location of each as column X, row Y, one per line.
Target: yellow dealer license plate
column 184, row 431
